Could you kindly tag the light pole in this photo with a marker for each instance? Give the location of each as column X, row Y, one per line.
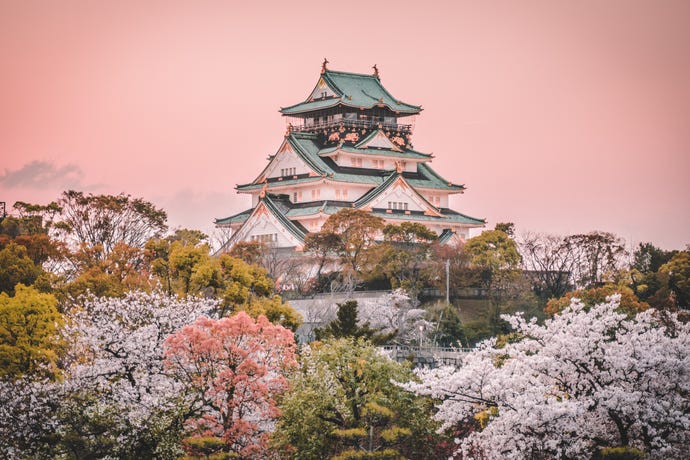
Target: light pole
column 447, row 281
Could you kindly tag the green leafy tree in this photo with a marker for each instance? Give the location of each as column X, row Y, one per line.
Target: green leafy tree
column 275, row 310
column 506, row 227
column 106, row 220
column 629, row 303
column 343, row 405
column 29, row 341
column 661, row 278
column 16, row 267
column 249, row 251
column 496, row 255
column 676, row 274
column 182, row 263
column 346, row 324
column 357, row 230
column 449, row 330
column 243, row 282
column 324, row 247
column 404, row 256
column 123, row 269
column 648, row 258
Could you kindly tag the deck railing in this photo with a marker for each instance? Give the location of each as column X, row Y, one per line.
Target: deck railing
column 366, row 124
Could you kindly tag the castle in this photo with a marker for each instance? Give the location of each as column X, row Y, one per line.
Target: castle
column 348, row 145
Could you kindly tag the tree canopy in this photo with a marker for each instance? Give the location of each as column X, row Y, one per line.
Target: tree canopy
column 587, row 381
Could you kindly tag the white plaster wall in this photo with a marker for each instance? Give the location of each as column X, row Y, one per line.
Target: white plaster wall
column 267, row 225
column 286, row 160
column 398, row 195
column 318, row 91
column 437, row 199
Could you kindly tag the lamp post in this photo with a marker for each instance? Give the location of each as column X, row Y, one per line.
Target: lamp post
column 447, row 281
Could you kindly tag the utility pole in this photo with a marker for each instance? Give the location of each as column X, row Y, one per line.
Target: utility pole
column 447, row 281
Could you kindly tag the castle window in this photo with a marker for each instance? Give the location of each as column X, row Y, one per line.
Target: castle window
column 265, row 238
column 397, row 205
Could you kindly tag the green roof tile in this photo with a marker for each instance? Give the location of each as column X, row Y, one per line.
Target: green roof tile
column 353, row 90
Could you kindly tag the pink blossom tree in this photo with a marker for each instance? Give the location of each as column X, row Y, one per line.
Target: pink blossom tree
column 588, row 381
column 232, row 369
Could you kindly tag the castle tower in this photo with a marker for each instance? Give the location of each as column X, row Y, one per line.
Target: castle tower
column 349, row 144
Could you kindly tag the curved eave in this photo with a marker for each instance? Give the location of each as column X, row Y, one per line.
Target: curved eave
column 234, row 219
column 409, row 154
column 310, row 106
column 336, row 79
column 454, row 218
column 276, row 184
column 304, row 108
column 424, row 185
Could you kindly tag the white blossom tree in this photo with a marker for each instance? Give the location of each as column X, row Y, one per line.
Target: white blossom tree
column 116, row 397
column 588, row 380
column 394, row 313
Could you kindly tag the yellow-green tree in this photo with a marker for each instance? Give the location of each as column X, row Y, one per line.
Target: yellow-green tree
column 29, row 340
column 629, row 302
column 495, row 255
column 404, row 255
column 357, row 230
column 342, row 405
column 16, row 267
column 248, row 288
column 123, row 269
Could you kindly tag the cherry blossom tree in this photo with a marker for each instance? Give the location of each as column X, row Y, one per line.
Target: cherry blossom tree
column 588, row 380
column 231, row 371
column 116, row 398
column 395, row 313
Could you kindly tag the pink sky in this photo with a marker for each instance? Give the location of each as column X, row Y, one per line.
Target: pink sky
column 562, row 117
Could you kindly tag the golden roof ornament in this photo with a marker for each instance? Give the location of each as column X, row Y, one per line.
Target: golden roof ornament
column 323, row 66
column 264, row 190
column 398, row 167
column 376, row 71
column 288, row 130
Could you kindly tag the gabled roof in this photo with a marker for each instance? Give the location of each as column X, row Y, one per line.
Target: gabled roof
column 377, row 139
column 306, row 146
column 352, row 90
column 390, row 182
column 266, row 203
column 299, row 150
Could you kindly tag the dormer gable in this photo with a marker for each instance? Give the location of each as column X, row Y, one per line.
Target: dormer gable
column 396, row 194
column 377, row 140
column 321, row 91
column 267, row 225
column 286, row 163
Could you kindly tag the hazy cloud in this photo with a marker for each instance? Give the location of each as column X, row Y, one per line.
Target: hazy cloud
column 43, row 175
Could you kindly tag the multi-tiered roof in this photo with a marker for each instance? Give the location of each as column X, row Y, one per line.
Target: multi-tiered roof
column 347, row 145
